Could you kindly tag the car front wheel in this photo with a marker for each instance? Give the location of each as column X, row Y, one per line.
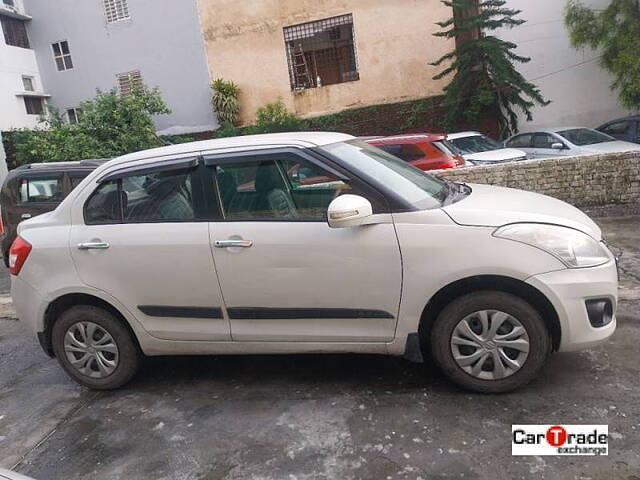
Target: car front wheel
column 490, row 341
column 94, row 347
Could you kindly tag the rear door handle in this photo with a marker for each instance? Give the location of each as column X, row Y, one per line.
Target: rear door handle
column 93, row 246
column 233, row 243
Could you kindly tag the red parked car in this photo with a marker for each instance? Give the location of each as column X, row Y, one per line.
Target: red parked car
column 426, row 151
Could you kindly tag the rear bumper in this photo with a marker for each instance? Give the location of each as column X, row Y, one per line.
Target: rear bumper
column 568, row 290
column 28, row 303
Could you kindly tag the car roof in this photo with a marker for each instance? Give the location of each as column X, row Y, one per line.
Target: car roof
column 89, row 163
column 621, row 119
column 250, row 142
column 456, row 135
column 410, row 138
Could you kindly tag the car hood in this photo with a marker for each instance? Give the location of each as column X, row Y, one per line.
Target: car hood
column 496, row 206
column 609, row 147
column 500, row 155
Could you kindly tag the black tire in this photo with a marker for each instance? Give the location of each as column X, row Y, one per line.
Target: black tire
column 128, row 352
column 538, row 336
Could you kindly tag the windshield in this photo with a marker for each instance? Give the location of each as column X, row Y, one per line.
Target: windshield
column 476, row 144
column 585, row 136
column 408, row 182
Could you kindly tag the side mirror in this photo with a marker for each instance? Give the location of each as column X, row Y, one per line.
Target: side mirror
column 557, row 146
column 349, row 211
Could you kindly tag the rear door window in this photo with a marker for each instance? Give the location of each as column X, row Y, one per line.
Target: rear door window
column 161, row 196
column 41, row 190
column 520, row 141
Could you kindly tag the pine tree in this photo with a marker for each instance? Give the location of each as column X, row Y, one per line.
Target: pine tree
column 485, row 80
column 616, row 30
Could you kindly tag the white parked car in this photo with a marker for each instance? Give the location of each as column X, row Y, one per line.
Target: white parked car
column 478, row 149
column 222, row 247
column 568, row 141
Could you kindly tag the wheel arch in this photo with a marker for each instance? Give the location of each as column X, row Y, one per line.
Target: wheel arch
column 496, row 283
column 64, row 303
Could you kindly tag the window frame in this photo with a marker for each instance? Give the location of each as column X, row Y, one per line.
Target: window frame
column 77, row 111
column 63, row 56
column 116, row 17
column 30, row 98
column 213, row 160
column 31, row 80
column 13, row 38
column 298, row 33
column 195, row 171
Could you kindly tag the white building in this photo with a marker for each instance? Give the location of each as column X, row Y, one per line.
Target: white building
column 578, row 87
column 22, row 98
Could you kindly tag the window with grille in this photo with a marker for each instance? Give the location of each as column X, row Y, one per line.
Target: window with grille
column 62, row 55
column 116, row 10
column 126, row 81
column 321, row 53
column 15, row 32
column 9, row 2
column 34, row 105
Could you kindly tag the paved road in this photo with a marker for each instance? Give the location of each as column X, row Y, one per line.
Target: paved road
column 332, row 416
column 5, row 280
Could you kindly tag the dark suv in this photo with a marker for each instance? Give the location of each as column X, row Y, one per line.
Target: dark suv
column 30, row 190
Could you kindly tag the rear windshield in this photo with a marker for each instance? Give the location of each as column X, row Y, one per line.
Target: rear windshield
column 476, row 144
column 585, row 136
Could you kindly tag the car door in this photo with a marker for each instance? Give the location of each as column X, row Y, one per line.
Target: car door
column 145, row 242
column 542, row 146
column 285, row 274
column 522, row 142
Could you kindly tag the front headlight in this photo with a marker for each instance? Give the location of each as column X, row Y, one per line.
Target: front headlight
column 573, row 248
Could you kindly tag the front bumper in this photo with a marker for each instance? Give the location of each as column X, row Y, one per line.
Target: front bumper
column 568, row 290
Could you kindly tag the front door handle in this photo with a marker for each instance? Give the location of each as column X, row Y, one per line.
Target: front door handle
column 233, row 243
column 93, row 246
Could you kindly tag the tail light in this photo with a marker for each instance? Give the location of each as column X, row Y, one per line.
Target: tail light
column 1, row 225
column 18, row 254
column 458, row 161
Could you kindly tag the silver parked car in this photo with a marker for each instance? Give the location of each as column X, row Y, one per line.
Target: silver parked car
column 568, row 141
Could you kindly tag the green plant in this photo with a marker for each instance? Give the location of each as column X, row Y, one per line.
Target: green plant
column 274, row 117
column 225, row 101
column 482, row 65
column 110, row 125
column 616, row 30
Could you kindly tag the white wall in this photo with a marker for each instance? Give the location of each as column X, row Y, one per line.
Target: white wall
column 581, row 94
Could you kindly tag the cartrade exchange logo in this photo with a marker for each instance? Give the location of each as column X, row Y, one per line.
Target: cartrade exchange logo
column 560, row 440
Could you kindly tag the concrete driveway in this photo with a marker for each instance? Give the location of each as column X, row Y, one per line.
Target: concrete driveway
column 330, row 416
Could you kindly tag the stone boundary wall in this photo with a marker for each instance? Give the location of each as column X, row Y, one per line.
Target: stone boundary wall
column 583, row 181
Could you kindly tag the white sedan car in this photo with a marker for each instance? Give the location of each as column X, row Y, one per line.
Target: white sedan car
column 478, row 149
column 568, row 141
column 221, row 247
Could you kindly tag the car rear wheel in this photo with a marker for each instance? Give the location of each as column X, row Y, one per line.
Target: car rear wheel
column 490, row 341
column 95, row 348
